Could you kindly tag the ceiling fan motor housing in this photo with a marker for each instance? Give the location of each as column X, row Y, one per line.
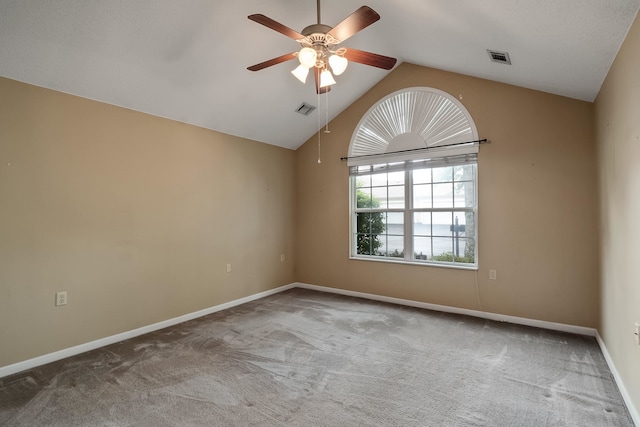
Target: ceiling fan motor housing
column 316, row 29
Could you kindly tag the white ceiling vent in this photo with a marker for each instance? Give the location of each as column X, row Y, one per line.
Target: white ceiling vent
column 305, row 109
column 501, row 57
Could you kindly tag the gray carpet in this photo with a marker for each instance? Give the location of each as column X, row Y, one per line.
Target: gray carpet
column 305, row 358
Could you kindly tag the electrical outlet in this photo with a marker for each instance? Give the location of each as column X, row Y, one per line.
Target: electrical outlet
column 61, row 298
column 492, row 275
column 637, row 333
column 228, row 268
column 281, row 257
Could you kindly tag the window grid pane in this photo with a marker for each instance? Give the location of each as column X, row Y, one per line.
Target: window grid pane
column 441, row 208
column 395, row 235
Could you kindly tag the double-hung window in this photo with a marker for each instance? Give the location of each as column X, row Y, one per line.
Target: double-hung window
column 414, row 181
column 422, row 211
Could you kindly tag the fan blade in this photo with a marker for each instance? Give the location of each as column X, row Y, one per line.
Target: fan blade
column 319, row 90
column 274, row 25
column 368, row 58
column 274, row 61
column 355, row 22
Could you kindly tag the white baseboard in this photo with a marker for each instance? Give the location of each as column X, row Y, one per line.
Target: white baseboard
column 618, row 379
column 82, row 348
column 580, row 330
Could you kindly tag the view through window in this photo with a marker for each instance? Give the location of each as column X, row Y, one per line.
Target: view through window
column 418, row 213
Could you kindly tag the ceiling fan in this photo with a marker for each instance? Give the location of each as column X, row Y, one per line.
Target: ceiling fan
column 320, row 49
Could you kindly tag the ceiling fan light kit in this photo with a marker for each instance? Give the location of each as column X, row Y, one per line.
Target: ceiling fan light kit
column 316, row 56
column 319, row 47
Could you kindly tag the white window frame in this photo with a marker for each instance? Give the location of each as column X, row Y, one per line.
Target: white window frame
column 408, row 211
column 401, row 145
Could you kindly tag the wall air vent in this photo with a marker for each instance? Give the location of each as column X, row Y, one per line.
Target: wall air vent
column 501, row 57
column 305, row 109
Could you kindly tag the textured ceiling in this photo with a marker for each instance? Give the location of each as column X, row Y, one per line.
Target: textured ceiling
column 186, row 60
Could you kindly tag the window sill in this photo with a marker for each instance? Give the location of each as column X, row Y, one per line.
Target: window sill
column 470, row 267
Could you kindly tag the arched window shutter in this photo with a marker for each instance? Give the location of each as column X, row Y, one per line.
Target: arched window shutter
column 410, row 124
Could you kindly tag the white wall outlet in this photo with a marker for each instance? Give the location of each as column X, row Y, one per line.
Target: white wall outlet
column 228, row 268
column 61, row 298
column 492, row 275
column 637, row 333
column 281, row 257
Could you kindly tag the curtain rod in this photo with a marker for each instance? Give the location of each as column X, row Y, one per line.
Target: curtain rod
column 479, row 141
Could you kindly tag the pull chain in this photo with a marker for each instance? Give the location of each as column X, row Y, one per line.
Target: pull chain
column 318, row 115
column 326, row 119
column 326, row 112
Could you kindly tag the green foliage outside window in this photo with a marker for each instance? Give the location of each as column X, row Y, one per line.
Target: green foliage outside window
column 449, row 256
column 369, row 224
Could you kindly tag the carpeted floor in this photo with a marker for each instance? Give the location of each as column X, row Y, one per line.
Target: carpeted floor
column 305, row 358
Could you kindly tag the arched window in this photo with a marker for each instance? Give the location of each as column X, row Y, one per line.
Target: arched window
column 413, row 180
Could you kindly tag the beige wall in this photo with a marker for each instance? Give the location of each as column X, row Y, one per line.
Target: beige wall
column 134, row 216
column 618, row 136
column 537, row 206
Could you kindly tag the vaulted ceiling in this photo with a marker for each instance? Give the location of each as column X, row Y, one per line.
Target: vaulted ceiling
column 187, row 60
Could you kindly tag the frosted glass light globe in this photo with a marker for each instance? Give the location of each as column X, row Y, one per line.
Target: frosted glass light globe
column 338, row 64
column 307, row 57
column 326, row 79
column 301, row 73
